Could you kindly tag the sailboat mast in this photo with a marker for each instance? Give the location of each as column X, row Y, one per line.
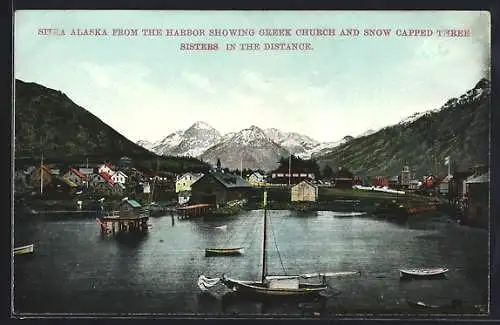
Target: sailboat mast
column 289, row 170
column 264, row 239
column 41, row 175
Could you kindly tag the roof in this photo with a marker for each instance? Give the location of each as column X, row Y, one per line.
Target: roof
column 134, row 203
column 107, row 165
column 306, row 182
column 195, row 175
column 107, row 178
column 86, row 171
column 485, row 178
column 120, row 172
column 228, row 180
column 447, row 179
column 77, row 173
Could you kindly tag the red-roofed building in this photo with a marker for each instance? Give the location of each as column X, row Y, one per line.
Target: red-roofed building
column 75, row 176
column 107, row 178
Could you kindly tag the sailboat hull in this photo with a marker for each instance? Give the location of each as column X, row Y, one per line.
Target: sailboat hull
column 224, row 251
column 28, row 249
column 258, row 288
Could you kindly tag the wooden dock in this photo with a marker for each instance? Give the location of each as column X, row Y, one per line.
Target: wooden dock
column 195, row 210
column 122, row 224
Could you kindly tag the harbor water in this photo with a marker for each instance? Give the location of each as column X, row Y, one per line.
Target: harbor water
column 77, row 270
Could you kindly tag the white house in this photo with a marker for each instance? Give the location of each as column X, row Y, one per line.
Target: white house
column 185, row 181
column 119, row 177
column 106, row 168
column 444, row 186
column 256, row 178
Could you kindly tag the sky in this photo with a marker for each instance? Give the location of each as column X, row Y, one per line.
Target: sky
column 146, row 87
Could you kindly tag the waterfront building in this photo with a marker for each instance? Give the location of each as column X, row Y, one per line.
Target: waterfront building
column 304, row 191
column 219, row 188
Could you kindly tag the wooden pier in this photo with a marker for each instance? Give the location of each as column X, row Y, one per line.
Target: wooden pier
column 122, row 224
column 190, row 211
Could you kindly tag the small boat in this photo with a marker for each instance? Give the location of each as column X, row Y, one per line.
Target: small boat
column 348, row 214
column 223, row 228
column 455, row 304
column 23, row 250
column 423, row 272
column 224, row 251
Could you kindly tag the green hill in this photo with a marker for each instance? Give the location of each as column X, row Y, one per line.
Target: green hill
column 47, row 120
column 459, row 129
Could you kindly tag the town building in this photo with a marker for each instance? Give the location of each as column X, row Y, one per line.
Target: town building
column 343, row 178
column 477, row 199
column 256, row 179
column 119, row 177
column 414, row 185
column 106, row 168
column 304, row 191
column 380, row 181
column 405, row 177
column 184, row 182
column 131, row 209
column 445, row 185
column 219, row 188
column 394, row 181
column 74, row 177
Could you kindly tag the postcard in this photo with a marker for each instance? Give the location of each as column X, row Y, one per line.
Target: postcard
column 319, row 164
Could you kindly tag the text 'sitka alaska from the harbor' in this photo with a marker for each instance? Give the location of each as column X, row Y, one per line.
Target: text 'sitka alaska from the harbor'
column 263, row 39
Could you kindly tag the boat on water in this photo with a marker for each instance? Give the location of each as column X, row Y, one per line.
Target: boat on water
column 223, row 228
column 28, row 249
column 423, row 272
column 224, row 251
column 348, row 214
column 269, row 285
column 455, row 304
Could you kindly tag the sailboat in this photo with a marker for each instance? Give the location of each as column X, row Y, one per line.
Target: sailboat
column 272, row 285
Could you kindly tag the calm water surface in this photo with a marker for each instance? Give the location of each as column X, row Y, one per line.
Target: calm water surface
column 77, row 270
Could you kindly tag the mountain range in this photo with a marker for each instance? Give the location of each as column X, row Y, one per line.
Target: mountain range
column 253, row 147
column 421, row 140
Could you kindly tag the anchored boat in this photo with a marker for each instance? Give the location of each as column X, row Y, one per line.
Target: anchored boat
column 423, row 272
column 28, row 249
column 224, row 251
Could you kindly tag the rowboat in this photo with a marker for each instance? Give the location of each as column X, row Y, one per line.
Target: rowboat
column 23, row 250
column 421, row 305
column 423, row 272
column 224, row 251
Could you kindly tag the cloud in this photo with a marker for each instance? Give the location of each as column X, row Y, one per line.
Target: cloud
column 255, row 81
column 199, row 81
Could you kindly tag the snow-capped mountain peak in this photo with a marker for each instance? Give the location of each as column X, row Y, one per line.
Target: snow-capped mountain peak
column 201, row 125
column 251, row 135
column 294, row 142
